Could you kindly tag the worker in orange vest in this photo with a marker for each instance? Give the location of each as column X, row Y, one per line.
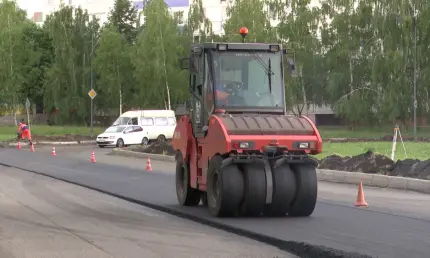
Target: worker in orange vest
column 24, row 131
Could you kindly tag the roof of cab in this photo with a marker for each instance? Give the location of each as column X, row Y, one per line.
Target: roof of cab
column 149, row 113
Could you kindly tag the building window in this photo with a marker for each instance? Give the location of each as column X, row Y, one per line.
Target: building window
column 196, row 39
column 179, row 17
column 98, row 16
column 38, row 17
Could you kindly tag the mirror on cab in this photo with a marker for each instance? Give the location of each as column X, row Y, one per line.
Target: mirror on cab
column 185, row 63
column 290, row 57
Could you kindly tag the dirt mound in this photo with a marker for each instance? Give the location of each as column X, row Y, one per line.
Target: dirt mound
column 412, row 168
column 368, row 162
column 333, row 162
column 372, row 163
column 404, row 167
column 162, row 148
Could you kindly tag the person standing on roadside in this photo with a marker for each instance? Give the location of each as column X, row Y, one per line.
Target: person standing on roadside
column 24, row 131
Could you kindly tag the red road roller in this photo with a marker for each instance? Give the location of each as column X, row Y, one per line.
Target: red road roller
column 237, row 151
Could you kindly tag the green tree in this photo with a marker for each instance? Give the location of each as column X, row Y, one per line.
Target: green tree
column 39, row 59
column 156, row 58
column 68, row 80
column 298, row 31
column 113, row 65
column 251, row 14
column 198, row 23
column 124, row 17
column 13, row 54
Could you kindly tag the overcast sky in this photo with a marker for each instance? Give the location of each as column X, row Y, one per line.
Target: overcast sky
column 31, row 6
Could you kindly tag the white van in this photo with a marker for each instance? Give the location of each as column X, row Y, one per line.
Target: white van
column 160, row 124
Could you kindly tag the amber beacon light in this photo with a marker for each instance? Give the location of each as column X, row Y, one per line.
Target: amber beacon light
column 243, row 31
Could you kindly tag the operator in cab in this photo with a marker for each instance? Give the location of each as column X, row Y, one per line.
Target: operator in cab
column 226, row 92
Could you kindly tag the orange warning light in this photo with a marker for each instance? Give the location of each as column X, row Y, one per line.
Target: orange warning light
column 243, row 31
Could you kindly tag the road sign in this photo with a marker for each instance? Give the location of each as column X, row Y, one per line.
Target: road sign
column 92, row 94
column 27, row 104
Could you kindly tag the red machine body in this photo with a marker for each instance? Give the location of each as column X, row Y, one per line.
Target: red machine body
column 225, row 133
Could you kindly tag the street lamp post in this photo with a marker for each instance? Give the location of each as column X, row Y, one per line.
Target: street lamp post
column 415, row 74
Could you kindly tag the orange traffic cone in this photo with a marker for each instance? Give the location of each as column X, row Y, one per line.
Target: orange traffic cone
column 148, row 165
column 32, row 147
column 53, row 152
column 93, row 157
column 19, row 145
column 360, row 197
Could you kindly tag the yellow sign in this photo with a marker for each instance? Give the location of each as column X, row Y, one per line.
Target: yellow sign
column 92, row 94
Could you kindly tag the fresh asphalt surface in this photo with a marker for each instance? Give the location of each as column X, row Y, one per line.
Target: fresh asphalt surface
column 397, row 223
column 44, row 217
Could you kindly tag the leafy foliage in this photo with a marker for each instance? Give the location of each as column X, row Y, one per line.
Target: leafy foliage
column 356, row 57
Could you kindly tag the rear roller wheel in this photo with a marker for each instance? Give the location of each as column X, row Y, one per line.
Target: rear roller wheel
column 204, row 198
column 284, row 191
column 186, row 195
column 254, row 199
column 307, row 190
column 224, row 188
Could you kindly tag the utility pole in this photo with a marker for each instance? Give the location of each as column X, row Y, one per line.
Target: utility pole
column 415, row 73
column 92, row 83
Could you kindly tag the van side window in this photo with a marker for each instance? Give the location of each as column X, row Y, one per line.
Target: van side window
column 147, row 121
column 171, row 120
column 160, row 121
column 137, row 129
column 134, row 121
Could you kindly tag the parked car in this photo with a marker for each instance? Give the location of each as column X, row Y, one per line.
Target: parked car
column 160, row 124
column 123, row 135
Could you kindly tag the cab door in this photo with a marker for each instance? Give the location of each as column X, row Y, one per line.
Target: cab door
column 200, row 87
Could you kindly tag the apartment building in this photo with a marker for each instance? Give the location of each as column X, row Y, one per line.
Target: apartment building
column 98, row 8
column 214, row 10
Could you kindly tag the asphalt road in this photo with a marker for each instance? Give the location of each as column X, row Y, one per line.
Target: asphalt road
column 44, row 217
column 397, row 223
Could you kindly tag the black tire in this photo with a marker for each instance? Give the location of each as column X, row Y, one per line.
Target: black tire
column 145, row 141
column 225, row 188
column 254, row 199
column 186, row 195
column 284, row 191
column 161, row 138
column 102, row 146
column 204, row 198
column 120, row 143
column 307, row 190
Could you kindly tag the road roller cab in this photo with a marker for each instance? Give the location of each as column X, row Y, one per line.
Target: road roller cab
column 238, row 151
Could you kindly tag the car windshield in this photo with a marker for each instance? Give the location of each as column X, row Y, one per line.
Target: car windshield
column 242, row 79
column 121, row 121
column 115, row 129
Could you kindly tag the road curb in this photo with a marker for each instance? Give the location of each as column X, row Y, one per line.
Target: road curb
column 325, row 175
column 375, row 180
column 134, row 154
column 49, row 143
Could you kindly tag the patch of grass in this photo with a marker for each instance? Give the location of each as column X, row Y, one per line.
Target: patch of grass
column 367, row 132
column 9, row 132
column 414, row 150
column 6, row 137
